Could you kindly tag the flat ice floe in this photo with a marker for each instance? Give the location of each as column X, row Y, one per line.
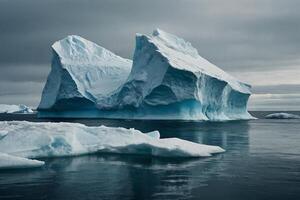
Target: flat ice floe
column 282, row 116
column 36, row 140
column 9, row 162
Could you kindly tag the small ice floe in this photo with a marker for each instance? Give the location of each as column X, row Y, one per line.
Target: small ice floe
column 12, row 162
column 20, row 109
column 282, row 115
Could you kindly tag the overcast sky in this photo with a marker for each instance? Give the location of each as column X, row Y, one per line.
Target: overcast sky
column 257, row 41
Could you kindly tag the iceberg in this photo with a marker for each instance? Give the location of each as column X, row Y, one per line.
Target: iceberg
column 167, row 79
column 13, row 162
column 20, row 109
column 45, row 139
column 282, row 116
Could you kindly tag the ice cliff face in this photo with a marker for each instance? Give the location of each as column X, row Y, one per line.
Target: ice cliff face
column 168, row 80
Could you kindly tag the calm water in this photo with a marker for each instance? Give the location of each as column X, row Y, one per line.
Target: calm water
column 262, row 161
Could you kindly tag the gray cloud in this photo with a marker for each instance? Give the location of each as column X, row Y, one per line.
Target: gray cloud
column 274, row 102
column 25, row 72
column 277, row 89
column 240, row 36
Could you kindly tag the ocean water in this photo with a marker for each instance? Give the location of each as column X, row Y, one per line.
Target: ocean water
column 262, row 161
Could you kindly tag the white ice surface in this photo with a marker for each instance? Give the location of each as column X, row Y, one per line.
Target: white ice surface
column 10, row 162
column 5, row 108
column 282, row 116
column 35, row 140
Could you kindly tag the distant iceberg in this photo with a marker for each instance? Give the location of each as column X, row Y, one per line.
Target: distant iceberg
column 166, row 80
column 282, row 116
column 36, row 140
column 21, row 109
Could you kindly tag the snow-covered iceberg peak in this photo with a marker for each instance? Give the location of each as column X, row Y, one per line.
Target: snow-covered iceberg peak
column 75, row 50
column 182, row 55
column 81, row 73
column 174, row 42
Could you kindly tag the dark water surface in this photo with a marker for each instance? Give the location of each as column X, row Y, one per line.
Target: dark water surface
column 262, row 161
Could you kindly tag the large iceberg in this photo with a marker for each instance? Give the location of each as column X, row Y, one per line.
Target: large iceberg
column 16, row 109
column 35, row 140
column 168, row 80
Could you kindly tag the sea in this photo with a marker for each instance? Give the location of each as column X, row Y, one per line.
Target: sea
column 261, row 162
